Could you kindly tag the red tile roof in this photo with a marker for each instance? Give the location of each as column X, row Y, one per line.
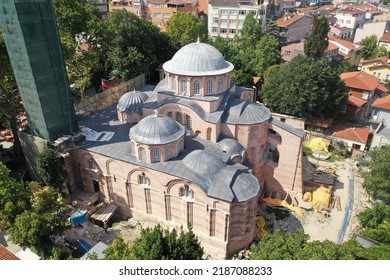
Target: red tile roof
column 381, row 61
column 360, row 80
column 351, row 10
column 351, row 133
column 356, row 101
column 324, row 123
column 327, row 8
column 6, row 255
column 385, row 37
column 288, row 19
column 347, row 44
column 382, row 103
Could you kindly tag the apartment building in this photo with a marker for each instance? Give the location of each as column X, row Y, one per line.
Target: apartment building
column 138, row 7
column 102, row 5
column 226, row 18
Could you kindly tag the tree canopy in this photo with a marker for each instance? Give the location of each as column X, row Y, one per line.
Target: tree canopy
column 267, row 53
column 317, row 43
column 370, row 45
column 50, row 168
column 185, row 28
column 304, row 87
column 377, row 176
column 157, row 244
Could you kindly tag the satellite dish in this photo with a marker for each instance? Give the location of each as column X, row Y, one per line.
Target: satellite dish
column 359, row 68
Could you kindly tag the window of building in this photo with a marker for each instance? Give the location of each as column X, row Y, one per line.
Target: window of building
column 224, row 21
column 262, row 12
column 388, row 77
column 209, row 87
column 157, row 5
column 142, row 154
column 143, row 179
column 215, row 20
column 224, row 12
column 233, row 12
column 158, row 24
column 233, row 21
column 157, row 15
column 232, row 31
column 178, row 148
column 179, row 118
column 188, row 123
column 156, row 155
column 173, row 83
column 183, row 87
column 196, row 87
column 169, row 114
column 169, row 153
column 242, row 12
column 220, row 86
column 167, row 15
column 223, row 30
column 214, row 29
column 186, row 192
column 365, row 94
column 288, row 53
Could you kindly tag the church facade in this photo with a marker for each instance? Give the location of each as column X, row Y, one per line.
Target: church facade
column 194, row 151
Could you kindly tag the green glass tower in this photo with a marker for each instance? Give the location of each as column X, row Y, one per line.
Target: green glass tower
column 33, row 45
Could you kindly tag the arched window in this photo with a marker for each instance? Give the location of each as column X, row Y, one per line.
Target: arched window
column 179, row 118
column 219, row 86
column 196, row 87
column 174, row 83
column 156, row 155
column 188, row 123
column 186, row 192
column 209, row 87
column 183, row 87
column 132, row 148
column 143, row 179
column 178, row 148
column 135, row 119
column 169, row 153
column 142, row 154
column 169, row 114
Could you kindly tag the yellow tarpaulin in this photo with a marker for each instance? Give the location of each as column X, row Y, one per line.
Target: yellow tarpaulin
column 261, row 232
column 321, row 197
column 279, row 202
column 317, row 145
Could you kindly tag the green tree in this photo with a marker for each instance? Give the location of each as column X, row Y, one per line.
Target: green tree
column 242, row 78
column 317, row 43
column 267, row 53
column 50, row 168
column 328, row 250
column 185, row 28
column 228, row 50
column 375, row 222
column 118, row 250
column 187, row 246
column 376, row 179
column 381, row 52
column 271, row 29
column 369, row 44
column 304, row 87
column 250, row 33
column 13, row 198
column 47, row 218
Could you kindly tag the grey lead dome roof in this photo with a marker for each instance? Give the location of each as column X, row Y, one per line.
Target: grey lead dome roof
column 203, row 162
column 198, row 59
column 156, row 130
column 132, row 102
column 231, row 146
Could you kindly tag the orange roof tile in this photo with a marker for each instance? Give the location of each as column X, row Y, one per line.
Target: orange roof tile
column 347, row 44
column 326, row 8
column 382, row 103
column 6, row 255
column 382, row 88
column 385, row 37
column 288, row 19
column 324, row 123
column 351, row 10
column 360, row 80
column 351, row 133
column 331, row 47
column 356, row 101
column 382, row 61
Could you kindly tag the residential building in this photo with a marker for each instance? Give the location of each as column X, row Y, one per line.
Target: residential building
column 372, row 28
column 287, row 6
column 348, row 50
column 318, row 124
column 31, row 37
column 384, row 41
column 382, row 17
column 160, row 11
column 356, row 137
column 371, row 11
column 193, row 150
column 138, row 7
column 350, row 17
column 326, row 10
column 102, row 5
column 306, row 11
column 292, row 50
column 6, row 254
column 293, row 27
column 203, row 6
column 378, row 67
column 226, row 18
column 381, row 116
column 363, row 89
column 344, row 33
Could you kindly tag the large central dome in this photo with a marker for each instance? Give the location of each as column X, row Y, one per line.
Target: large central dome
column 198, row 59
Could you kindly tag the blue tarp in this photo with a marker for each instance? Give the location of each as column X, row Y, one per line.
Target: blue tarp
column 78, row 218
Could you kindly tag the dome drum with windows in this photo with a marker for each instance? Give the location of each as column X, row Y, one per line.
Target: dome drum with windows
column 156, row 138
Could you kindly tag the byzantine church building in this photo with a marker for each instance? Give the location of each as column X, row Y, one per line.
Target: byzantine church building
column 193, row 151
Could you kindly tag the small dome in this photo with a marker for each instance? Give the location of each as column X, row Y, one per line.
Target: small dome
column 198, row 59
column 203, row 162
column 156, row 129
column 132, row 102
column 231, row 147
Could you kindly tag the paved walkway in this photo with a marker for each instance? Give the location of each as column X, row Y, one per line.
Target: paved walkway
column 23, row 254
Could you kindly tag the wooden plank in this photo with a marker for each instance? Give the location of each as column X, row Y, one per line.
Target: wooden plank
column 105, row 213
